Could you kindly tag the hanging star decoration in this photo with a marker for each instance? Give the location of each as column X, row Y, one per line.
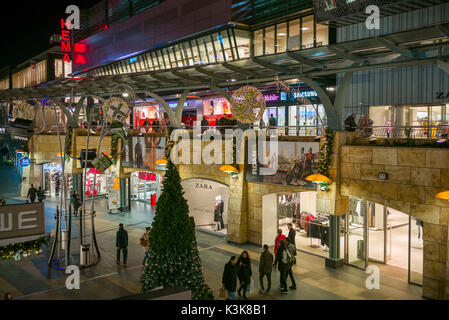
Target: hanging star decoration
column 247, row 104
column 116, row 109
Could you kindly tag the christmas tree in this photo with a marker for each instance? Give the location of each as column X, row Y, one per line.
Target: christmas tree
column 173, row 257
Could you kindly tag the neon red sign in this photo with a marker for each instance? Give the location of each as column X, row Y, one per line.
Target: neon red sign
column 147, row 176
column 65, row 42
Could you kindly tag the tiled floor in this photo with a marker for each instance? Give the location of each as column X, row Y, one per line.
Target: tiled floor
column 31, row 278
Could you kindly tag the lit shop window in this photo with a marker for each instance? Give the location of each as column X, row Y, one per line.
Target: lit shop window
column 59, row 69
column 294, row 37
column 269, row 40
column 258, row 42
column 307, row 32
column 281, row 37
column 300, row 33
column 31, row 76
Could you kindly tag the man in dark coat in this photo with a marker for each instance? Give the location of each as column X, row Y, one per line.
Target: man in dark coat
column 121, row 244
column 265, row 269
column 138, row 157
column 229, row 279
column 350, row 124
column 282, row 265
column 40, row 194
column 32, row 193
column 76, row 202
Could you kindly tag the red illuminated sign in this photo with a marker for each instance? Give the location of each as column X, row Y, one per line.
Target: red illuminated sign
column 65, row 42
column 147, row 176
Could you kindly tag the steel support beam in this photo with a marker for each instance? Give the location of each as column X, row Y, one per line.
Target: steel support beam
column 271, row 66
column 238, row 69
column 305, row 61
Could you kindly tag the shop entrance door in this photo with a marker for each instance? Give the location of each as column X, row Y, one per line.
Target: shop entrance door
column 377, row 232
column 356, row 234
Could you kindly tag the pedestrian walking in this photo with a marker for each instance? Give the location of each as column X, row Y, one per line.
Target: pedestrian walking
column 76, row 202
column 292, row 251
column 283, row 265
column 279, row 237
column 145, row 243
column 32, row 194
column 40, row 195
column 244, row 274
column 229, row 279
column 121, row 244
column 265, row 269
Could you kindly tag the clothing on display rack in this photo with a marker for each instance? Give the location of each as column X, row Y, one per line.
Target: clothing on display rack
column 319, row 229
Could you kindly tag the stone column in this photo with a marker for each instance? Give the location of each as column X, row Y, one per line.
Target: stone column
column 333, row 203
column 238, row 209
column 436, row 264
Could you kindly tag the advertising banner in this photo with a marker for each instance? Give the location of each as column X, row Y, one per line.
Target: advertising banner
column 143, row 152
column 22, row 220
column 295, row 162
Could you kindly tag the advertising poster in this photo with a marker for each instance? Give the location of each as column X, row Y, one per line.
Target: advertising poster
column 295, row 162
column 143, row 152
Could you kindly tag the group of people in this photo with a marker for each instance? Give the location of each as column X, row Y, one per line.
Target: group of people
column 283, row 260
column 364, row 123
column 33, row 192
column 121, row 244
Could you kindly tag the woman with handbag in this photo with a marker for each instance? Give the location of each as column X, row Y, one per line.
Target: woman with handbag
column 244, row 273
column 229, row 279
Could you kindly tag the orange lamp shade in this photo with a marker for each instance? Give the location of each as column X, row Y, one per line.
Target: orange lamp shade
column 60, row 154
column 318, row 178
column 443, row 195
column 161, row 162
column 228, row 169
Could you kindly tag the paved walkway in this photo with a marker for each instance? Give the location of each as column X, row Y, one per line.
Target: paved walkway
column 31, row 278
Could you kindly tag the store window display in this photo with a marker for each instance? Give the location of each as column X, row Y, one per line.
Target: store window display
column 312, row 227
column 208, row 202
column 215, row 109
column 146, row 187
column 52, row 179
column 99, row 185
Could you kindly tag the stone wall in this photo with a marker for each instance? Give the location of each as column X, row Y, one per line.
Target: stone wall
column 415, row 176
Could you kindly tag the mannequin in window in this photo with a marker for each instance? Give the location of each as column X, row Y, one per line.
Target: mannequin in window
column 222, row 225
column 419, row 224
column 217, row 214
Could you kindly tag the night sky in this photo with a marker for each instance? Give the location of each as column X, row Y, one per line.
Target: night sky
column 26, row 27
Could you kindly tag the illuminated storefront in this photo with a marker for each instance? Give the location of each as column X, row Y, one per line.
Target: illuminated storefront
column 215, row 109
column 284, row 111
column 146, row 187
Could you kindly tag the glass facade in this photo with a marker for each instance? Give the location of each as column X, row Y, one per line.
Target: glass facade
column 30, row 76
column 221, row 46
column 300, row 33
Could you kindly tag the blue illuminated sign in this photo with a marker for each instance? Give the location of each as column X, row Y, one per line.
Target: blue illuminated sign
column 25, row 162
column 132, row 60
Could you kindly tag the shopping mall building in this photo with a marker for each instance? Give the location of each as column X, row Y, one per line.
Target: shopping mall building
column 181, row 58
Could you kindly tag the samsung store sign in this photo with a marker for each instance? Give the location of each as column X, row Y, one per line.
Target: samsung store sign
column 284, row 96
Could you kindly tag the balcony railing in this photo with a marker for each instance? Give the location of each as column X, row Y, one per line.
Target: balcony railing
column 405, row 132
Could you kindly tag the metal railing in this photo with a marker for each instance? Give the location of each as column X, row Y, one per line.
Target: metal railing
column 405, row 132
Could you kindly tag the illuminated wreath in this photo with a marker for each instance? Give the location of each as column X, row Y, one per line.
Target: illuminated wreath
column 23, row 110
column 116, row 109
column 247, row 104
